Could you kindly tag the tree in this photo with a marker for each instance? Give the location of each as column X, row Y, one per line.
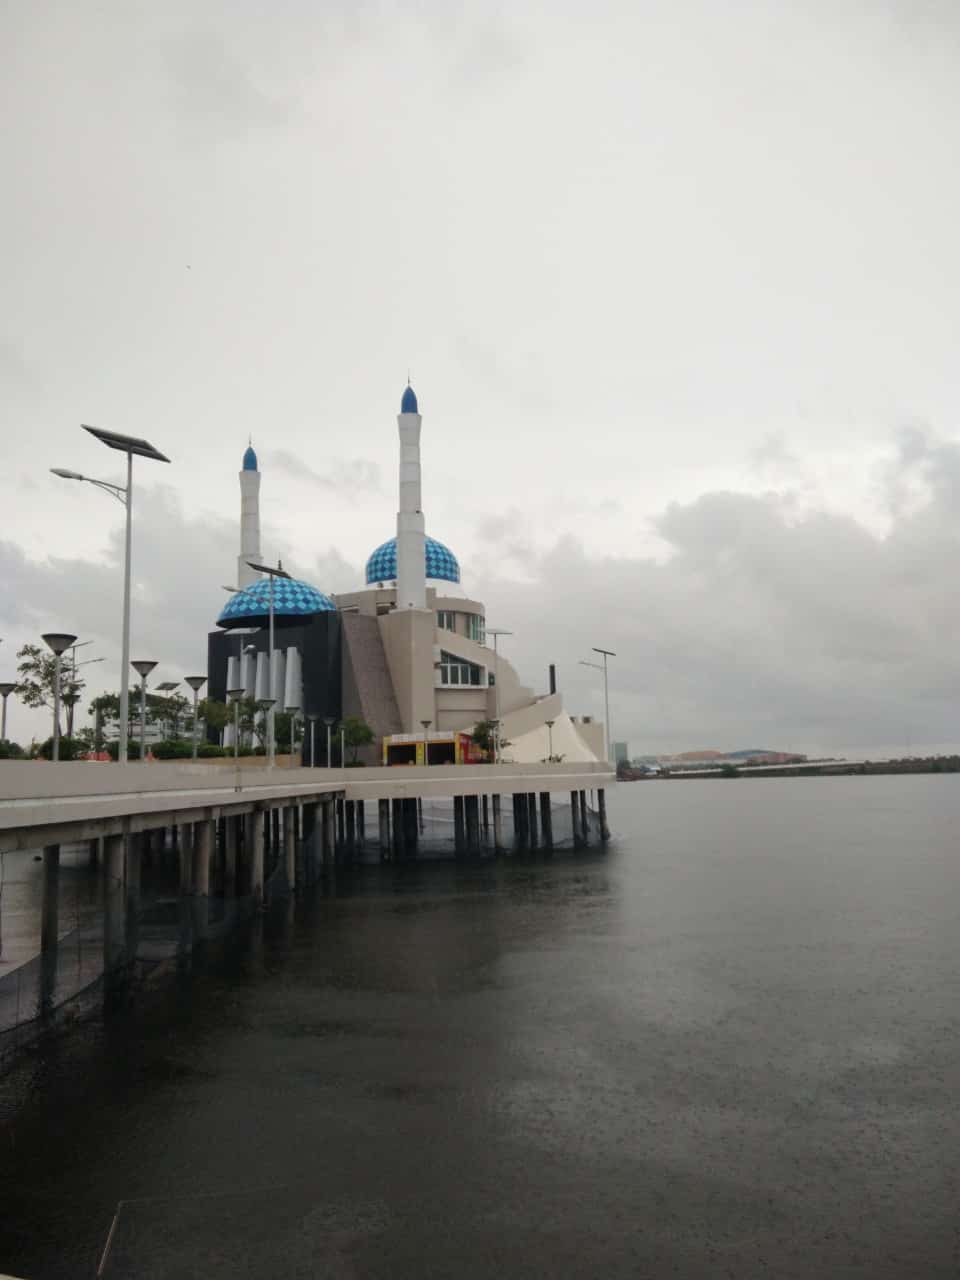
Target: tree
column 215, row 715
column 38, row 676
column 356, row 734
column 106, row 710
column 484, row 736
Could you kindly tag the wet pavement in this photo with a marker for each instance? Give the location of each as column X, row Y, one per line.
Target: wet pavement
column 730, row 1046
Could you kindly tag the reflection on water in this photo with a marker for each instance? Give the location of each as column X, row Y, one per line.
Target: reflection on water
column 729, row 1046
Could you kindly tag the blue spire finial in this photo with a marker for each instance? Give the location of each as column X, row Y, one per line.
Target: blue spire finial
column 408, row 403
column 250, row 458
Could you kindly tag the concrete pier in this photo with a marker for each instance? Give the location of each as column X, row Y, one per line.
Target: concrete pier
column 328, row 855
column 114, row 916
column 584, row 819
column 185, row 853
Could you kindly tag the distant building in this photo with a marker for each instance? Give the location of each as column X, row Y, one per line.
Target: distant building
column 621, row 753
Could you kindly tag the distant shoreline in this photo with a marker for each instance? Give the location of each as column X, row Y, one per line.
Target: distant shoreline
column 806, row 769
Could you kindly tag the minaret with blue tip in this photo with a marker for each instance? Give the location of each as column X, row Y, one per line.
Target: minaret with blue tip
column 411, row 536
column 249, row 519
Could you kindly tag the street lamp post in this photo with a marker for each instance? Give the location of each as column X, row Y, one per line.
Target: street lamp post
column 343, row 747
column 550, row 724
column 196, row 683
column 313, row 753
column 278, row 572
column 58, row 643
column 496, row 632
column 328, row 721
column 129, row 445
column 143, row 669
column 6, row 688
column 598, row 666
column 426, row 740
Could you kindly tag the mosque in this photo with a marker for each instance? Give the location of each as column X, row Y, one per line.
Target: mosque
column 408, row 652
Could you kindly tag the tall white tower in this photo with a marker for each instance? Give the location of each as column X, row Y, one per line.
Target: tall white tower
column 249, row 519
column 411, row 539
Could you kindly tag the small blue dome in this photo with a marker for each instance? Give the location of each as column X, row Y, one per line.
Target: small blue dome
column 409, row 402
column 291, row 599
column 250, row 459
column 441, row 563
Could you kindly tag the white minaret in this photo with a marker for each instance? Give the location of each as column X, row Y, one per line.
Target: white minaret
column 249, row 519
column 411, row 539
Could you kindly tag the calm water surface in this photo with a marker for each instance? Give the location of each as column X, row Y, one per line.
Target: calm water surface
column 728, row 1047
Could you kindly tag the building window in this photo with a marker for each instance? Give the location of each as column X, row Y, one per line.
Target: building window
column 454, row 671
column 476, row 628
column 446, row 620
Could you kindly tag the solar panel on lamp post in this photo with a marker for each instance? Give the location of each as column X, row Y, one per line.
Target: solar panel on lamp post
column 143, row 669
column 129, row 445
column 58, row 642
column 196, row 683
column 278, row 572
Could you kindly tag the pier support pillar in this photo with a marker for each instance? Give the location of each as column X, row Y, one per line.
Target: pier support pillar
column 485, row 817
column 575, row 819
column 258, row 824
column 350, row 822
column 410, row 827
column 398, row 844
column 361, row 826
column 546, row 820
column 340, row 805
column 471, row 806
column 383, row 814
column 96, row 852
column 602, row 814
column 531, row 799
column 290, row 845
column 584, row 819
column 114, row 927
column 459, row 826
column 497, row 824
column 49, row 928
column 203, row 833
column 329, row 836
column 521, row 822
column 132, row 866
column 185, row 852
column 307, row 862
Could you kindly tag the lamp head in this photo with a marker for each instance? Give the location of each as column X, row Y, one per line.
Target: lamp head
column 58, row 641
column 64, row 474
column 143, row 668
column 196, row 682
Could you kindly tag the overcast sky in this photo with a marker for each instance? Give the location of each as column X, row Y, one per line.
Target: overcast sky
column 676, row 282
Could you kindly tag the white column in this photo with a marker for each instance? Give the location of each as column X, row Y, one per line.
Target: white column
column 411, row 536
column 249, row 527
column 292, row 692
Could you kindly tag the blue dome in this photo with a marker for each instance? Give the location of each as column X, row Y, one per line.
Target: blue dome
column 291, row 599
column 441, row 563
column 409, row 402
column 250, row 459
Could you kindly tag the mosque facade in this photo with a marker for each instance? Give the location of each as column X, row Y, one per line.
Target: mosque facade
column 408, row 648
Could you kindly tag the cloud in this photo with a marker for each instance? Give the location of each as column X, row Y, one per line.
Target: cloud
column 344, row 476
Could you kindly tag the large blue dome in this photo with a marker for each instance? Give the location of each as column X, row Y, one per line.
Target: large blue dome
column 291, row 599
column 409, row 402
column 441, row 563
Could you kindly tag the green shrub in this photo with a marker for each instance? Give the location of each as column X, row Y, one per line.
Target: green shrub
column 172, row 749
column 10, row 750
column 207, row 749
column 70, row 749
column 133, row 750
